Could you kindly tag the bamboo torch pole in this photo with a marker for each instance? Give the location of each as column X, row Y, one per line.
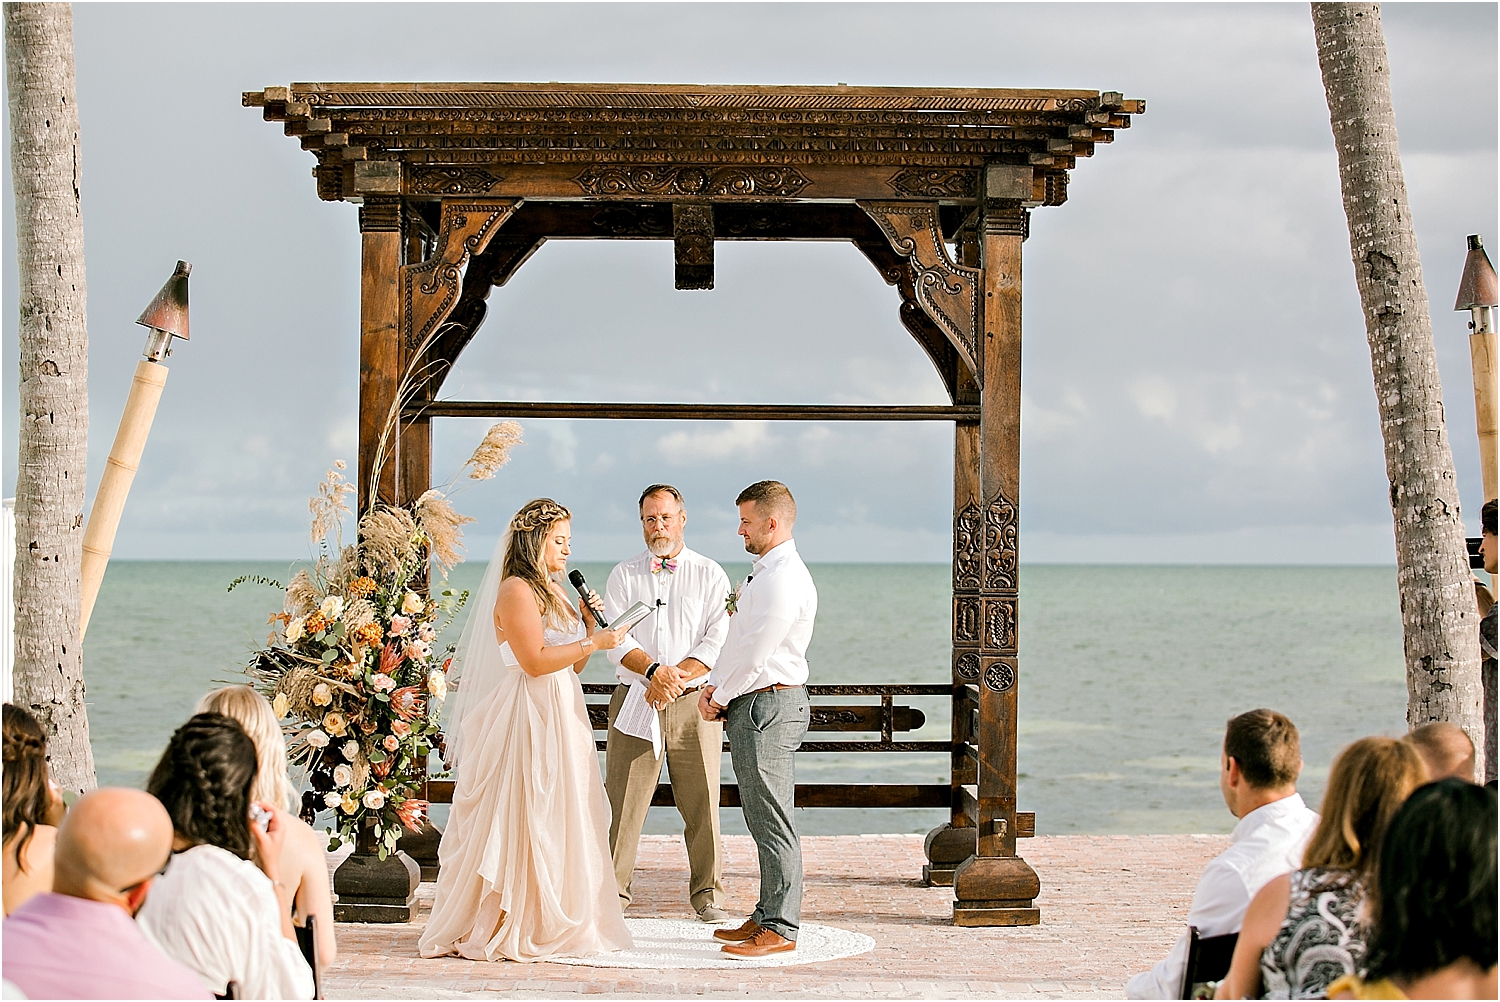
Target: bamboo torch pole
column 1479, row 295
column 166, row 317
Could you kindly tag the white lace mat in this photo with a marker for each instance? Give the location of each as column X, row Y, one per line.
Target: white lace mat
column 683, row 943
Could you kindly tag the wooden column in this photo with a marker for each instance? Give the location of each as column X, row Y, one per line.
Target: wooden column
column 380, row 352
column 951, row 843
column 997, row 887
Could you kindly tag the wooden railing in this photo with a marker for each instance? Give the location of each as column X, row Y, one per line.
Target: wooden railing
column 886, row 720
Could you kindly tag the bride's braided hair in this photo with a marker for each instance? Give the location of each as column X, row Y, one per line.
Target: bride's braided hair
column 203, row 780
column 523, row 556
column 26, row 795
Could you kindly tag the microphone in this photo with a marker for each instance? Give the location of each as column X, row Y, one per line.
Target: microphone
column 583, row 592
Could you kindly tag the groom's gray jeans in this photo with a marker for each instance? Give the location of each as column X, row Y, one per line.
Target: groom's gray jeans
column 764, row 729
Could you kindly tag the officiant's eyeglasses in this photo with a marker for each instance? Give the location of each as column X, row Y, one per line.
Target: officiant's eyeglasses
column 651, row 521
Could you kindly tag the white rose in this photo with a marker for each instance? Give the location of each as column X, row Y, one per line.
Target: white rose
column 317, row 739
column 351, row 750
column 321, row 694
column 412, row 603
column 331, row 799
column 342, row 775
column 437, row 684
column 281, row 706
column 332, row 608
column 294, row 631
column 374, row 800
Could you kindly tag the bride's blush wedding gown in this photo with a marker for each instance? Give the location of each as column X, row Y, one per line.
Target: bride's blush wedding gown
column 526, row 872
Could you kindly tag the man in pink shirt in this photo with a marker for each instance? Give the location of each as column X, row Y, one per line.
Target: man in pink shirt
column 80, row 941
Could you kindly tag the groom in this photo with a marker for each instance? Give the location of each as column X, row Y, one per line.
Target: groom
column 758, row 687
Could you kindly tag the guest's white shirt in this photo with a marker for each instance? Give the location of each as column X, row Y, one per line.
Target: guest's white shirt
column 1265, row 844
column 771, row 627
column 218, row 915
column 691, row 622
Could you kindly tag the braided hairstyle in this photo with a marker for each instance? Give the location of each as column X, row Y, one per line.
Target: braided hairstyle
column 27, row 797
column 523, row 557
column 203, row 780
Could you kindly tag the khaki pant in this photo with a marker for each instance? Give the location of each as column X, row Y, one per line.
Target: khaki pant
column 692, row 748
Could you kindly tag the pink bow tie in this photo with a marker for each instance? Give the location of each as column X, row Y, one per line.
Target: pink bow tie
column 659, row 564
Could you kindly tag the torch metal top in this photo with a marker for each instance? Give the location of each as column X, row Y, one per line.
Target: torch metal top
column 1478, row 286
column 169, row 310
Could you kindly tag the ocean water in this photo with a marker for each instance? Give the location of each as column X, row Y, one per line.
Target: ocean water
column 1127, row 676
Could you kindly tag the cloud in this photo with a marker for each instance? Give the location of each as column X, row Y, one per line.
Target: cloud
column 1154, row 397
column 1194, row 353
column 740, row 439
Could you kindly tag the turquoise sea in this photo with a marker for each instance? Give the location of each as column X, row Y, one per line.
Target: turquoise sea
column 1127, row 676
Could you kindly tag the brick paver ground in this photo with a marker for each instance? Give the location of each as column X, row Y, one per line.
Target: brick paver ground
column 1111, row 905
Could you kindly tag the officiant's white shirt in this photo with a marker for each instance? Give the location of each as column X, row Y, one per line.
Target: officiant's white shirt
column 693, row 621
column 771, row 627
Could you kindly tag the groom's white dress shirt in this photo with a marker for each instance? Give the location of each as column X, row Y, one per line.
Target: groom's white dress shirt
column 771, row 627
column 1265, row 844
column 692, row 623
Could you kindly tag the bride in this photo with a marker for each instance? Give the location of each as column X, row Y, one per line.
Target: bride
column 526, row 872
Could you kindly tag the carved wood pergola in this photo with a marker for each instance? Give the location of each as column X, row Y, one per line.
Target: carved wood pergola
column 459, row 184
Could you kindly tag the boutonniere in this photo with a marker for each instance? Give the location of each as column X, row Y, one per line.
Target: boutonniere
column 732, row 600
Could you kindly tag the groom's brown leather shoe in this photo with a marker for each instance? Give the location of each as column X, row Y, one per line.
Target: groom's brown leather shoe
column 762, row 944
column 744, row 932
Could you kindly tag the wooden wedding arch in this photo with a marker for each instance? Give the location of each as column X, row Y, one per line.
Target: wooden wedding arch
column 459, row 184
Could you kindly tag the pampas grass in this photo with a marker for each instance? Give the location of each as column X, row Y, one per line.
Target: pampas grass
column 442, row 527
column 494, row 451
column 328, row 508
column 301, row 595
column 385, row 539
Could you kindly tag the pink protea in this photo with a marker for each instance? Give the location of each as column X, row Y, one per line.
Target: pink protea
column 412, row 813
column 391, row 657
column 407, row 702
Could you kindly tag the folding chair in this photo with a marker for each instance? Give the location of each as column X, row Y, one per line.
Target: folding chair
column 1207, row 963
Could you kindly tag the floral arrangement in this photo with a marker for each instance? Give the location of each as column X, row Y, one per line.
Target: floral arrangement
column 352, row 666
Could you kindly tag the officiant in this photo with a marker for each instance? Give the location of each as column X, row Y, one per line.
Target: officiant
column 661, row 665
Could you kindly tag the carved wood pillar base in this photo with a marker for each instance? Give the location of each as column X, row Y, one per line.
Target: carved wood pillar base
column 422, row 847
column 996, row 890
column 946, row 847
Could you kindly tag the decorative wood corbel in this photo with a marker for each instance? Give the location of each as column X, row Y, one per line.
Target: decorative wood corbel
column 948, row 293
column 430, row 290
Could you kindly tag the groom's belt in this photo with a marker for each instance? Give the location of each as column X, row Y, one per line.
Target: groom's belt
column 774, row 687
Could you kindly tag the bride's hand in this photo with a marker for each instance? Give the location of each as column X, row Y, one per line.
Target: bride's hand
column 595, row 603
column 608, row 640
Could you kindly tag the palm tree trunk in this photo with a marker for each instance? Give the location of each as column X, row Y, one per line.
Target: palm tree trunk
column 54, row 420
column 1439, row 618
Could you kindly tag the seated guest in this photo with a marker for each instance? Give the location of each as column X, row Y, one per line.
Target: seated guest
column 227, row 918
column 1434, row 932
column 304, row 868
column 1446, row 750
column 33, row 808
column 78, row 941
column 1306, row 929
column 1260, row 762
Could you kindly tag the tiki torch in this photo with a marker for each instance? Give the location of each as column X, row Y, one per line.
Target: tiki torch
column 1478, row 293
column 165, row 318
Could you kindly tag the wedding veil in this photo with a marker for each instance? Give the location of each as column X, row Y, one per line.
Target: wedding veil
column 477, row 665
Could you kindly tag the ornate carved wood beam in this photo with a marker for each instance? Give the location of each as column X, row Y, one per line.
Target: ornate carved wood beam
column 693, row 244
column 947, row 293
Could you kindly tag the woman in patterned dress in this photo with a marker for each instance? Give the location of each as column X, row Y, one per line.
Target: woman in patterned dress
column 1306, row 929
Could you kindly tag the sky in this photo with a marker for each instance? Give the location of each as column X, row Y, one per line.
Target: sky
column 1196, row 382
